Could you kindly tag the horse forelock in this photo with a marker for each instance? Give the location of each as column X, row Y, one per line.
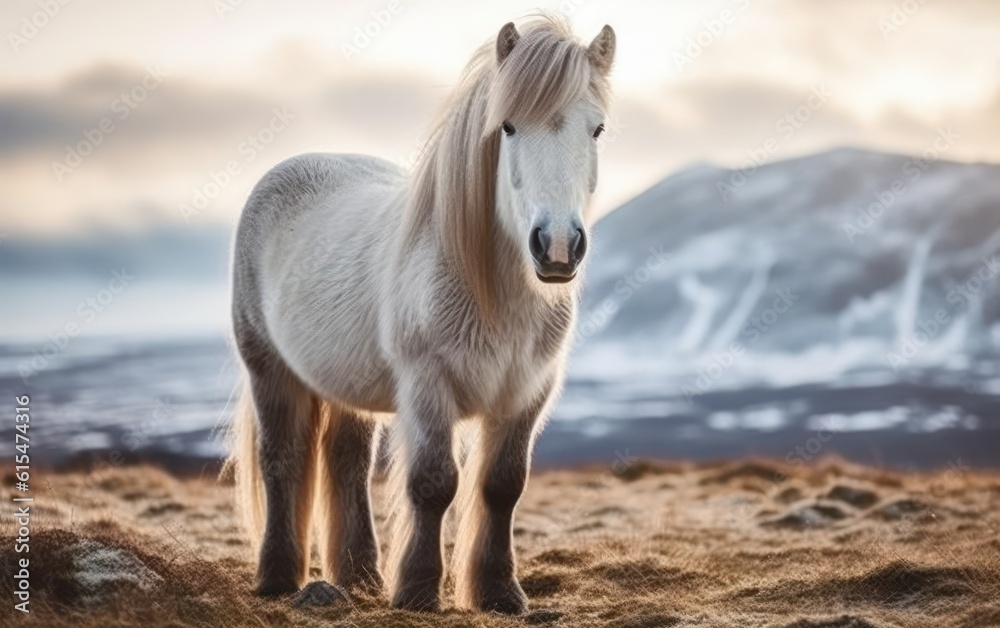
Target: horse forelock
column 545, row 73
column 455, row 177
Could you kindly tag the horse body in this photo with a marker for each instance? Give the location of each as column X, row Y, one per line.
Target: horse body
column 318, row 267
column 321, row 259
column 438, row 296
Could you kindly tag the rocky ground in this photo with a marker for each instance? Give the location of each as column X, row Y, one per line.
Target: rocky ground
column 749, row 543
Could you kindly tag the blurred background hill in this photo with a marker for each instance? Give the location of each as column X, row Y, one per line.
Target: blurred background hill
column 799, row 306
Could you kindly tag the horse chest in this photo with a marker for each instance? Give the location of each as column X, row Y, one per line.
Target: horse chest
column 506, row 375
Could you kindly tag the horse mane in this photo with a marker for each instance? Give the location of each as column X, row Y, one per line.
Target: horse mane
column 454, row 180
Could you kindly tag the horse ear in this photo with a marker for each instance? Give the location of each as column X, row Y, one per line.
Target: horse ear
column 506, row 41
column 601, row 51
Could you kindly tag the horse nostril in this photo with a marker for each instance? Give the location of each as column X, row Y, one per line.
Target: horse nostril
column 537, row 244
column 579, row 245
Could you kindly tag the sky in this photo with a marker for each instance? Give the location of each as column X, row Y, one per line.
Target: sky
column 180, row 107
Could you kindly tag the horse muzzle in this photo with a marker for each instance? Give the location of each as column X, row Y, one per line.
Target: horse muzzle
column 557, row 256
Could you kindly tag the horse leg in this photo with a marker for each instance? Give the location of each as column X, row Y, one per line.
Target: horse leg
column 429, row 482
column 287, row 420
column 487, row 579
column 350, row 550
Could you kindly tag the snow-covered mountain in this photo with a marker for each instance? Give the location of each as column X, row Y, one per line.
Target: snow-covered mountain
column 845, row 268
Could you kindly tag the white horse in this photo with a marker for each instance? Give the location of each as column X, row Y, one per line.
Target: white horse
column 361, row 291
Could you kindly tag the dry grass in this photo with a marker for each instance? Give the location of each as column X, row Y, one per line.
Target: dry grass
column 660, row 545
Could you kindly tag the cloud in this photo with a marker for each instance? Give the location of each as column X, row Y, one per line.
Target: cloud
column 180, row 112
column 185, row 128
column 161, row 109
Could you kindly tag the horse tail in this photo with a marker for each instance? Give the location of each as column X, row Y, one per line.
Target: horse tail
column 399, row 517
column 243, row 466
column 467, row 508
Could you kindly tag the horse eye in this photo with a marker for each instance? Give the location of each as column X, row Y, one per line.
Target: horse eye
column 598, row 131
column 507, row 127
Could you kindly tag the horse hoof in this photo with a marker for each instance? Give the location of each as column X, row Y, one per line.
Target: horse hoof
column 275, row 588
column 506, row 607
column 508, row 603
column 417, row 600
